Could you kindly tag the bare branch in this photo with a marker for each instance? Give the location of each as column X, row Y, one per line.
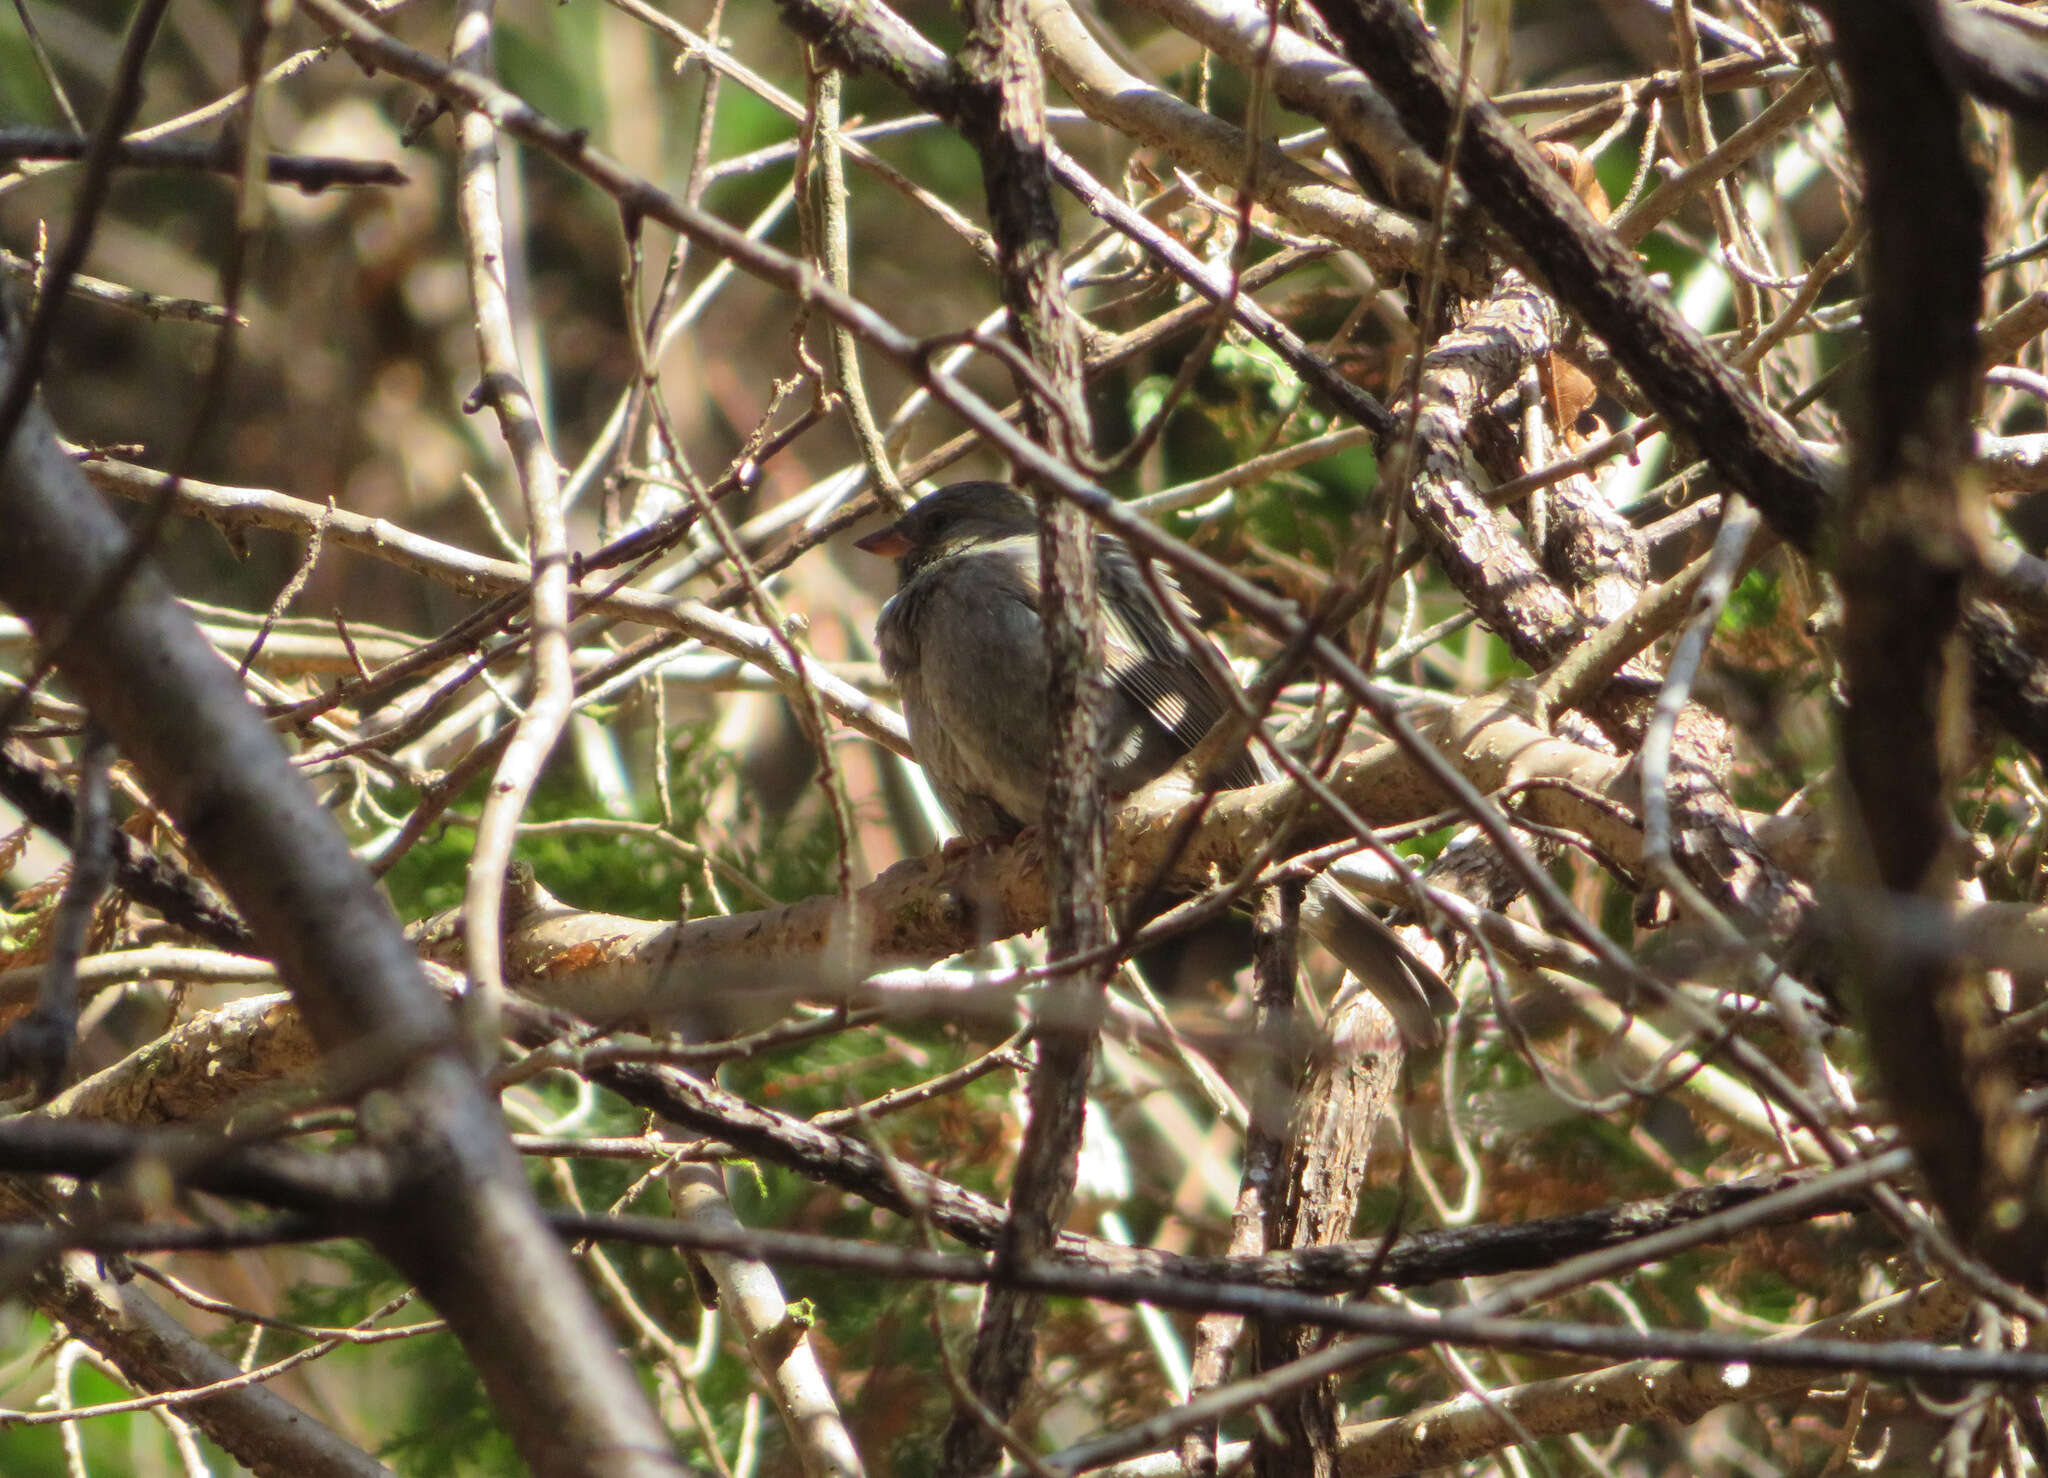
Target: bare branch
column 477, row 1247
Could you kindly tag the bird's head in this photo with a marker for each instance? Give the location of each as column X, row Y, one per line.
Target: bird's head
column 962, row 516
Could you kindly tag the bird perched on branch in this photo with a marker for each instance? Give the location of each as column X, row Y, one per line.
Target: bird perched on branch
column 962, row 640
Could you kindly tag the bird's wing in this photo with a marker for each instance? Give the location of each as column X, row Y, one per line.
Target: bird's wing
column 1151, row 663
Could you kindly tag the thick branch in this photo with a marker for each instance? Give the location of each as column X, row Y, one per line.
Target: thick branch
column 259, row 1428
column 1003, row 117
column 1598, row 278
column 618, row 970
column 475, row 1242
column 1907, row 544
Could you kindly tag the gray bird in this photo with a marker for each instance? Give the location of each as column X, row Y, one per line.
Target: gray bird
column 962, row 641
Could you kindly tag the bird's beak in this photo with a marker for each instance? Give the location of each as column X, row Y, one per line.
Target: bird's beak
column 888, row 542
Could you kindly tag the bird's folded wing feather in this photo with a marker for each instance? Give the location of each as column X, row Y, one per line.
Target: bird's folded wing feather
column 1151, row 664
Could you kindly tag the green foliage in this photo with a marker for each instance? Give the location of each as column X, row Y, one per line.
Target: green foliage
column 1425, row 848
column 447, row 1427
column 554, row 70
column 877, row 1325
column 1231, row 403
column 131, row 1442
column 19, row 930
column 357, row 1283
column 450, row 1429
column 1265, row 386
column 788, row 857
column 1229, row 415
column 23, row 97
column 428, row 879
column 744, row 123
column 1753, row 603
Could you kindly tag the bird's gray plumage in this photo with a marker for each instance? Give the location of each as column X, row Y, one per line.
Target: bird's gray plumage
column 963, row 642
